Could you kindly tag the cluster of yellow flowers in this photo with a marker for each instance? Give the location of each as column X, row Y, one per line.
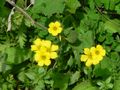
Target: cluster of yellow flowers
column 55, row 28
column 93, row 55
column 44, row 51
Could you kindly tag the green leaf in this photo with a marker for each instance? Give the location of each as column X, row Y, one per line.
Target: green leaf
column 116, row 85
column 30, row 75
column 53, row 6
column 42, row 33
column 11, row 55
column 21, row 76
column 117, row 8
column 109, row 39
column 48, row 7
column 28, row 22
column 38, row 3
column 117, row 49
column 70, row 61
column 2, row 2
column 20, row 3
column 17, row 18
column 112, row 4
column 4, row 46
column 84, row 86
column 106, row 3
column 87, row 39
column 72, row 36
column 40, row 86
column 74, row 78
column 4, row 12
column 112, row 26
column 60, row 80
column 114, row 56
column 102, row 69
column 72, row 5
column 21, row 39
column 16, row 55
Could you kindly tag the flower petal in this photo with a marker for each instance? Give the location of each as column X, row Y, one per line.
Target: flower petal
column 95, row 62
column 99, row 47
column 59, row 30
column 57, row 24
column 41, row 63
column 86, row 50
column 54, row 47
column 51, row 24
column 88, row 63
column 53, row 55
column 47, row 62
column 84, row 58
column 37, row 57
column 37, row 41
column 103, row 52
column 34, row 48
column 46, row 43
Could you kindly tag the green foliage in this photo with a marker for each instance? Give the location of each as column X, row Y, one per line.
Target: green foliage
column 112, row 26
column 116, row 85
column 86, row 85
column 48, row 7
column 72, row 5
column 85, row 23
column 105, row 85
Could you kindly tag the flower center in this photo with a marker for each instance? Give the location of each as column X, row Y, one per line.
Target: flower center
column 90, row 56
column 55, row 28
column 43, row 57
column 97, row 52
column 38, row 47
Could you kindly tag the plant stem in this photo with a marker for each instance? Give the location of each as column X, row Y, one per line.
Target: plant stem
column 26, row 14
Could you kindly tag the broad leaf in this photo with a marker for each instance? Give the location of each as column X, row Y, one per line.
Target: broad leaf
column 86, row 85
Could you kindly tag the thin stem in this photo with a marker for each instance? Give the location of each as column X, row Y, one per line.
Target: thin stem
column 26, row 14
column 103, row 14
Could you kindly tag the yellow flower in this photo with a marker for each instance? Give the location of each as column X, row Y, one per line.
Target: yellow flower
column 55, row 28
column 44, row 51
column 98, row 52
column 93, row 55
column 53, row 53
column 37, row 41
column 43, row 58
column 46, row 43
column 87, row 57
column 37, row 45
column 51, row 50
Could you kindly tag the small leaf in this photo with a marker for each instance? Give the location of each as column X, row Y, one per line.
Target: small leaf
column 30, row 75
column 60, row 80
column 22, row 76
column 117, row 49
column 40, row 86
column 72, row 36
column 10, row 55
column 116, row 85
column 53, row 6
column 84, row 86
column 72, row 5
column 70, row 61
column 112, row 26
column 117, row 8
column 2, row 2
column 21, row 39
column 48, row 7
column 74, row 78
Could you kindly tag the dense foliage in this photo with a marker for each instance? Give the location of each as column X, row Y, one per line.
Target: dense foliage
column 84, row 24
